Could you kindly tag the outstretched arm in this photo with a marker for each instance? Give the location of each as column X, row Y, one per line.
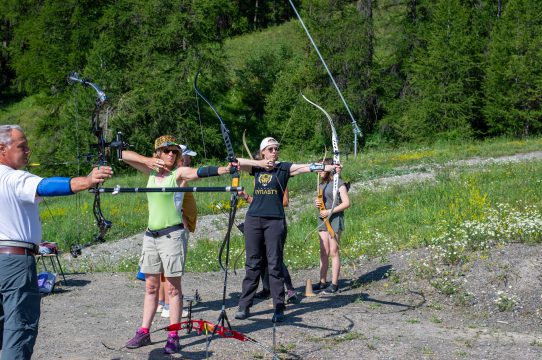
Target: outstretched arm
column 191, row 174
column 298, row 169
column 97, row 176
column 60, row 186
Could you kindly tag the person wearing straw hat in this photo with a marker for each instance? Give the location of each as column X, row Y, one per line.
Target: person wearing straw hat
column 265, row 224
column 189, row 214
column 165, row 240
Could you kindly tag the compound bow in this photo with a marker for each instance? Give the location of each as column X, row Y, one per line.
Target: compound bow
column 101, row 146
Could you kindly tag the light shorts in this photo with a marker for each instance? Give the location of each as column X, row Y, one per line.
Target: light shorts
column 164, row 254
column 336, row 221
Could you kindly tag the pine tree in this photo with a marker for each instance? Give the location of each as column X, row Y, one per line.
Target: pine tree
column 513, row 86
column 443, row 76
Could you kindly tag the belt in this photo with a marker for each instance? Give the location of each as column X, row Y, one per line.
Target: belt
column 20, row 243
column 164, row 231
column 16, row 250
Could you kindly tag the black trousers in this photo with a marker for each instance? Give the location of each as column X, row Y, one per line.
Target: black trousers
column 285, row 272
column 263, row 241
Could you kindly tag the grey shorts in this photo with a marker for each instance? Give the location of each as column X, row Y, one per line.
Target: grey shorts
column 164, row 254
column 336, row 221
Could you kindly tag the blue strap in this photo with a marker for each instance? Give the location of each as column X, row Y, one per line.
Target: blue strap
column 54, row 186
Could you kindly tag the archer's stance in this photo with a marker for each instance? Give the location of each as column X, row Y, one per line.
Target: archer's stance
column 330, row 226
column 20, row 234
column 265, row 224
column 165, row 241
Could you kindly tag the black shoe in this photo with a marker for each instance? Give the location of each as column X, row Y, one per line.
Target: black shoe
column 319, row 287
column 278, row 316
column 264, row 294
column 331, row 289
column 242, row 314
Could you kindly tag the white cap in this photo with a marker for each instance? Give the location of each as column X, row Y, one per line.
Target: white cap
column 187, row 151
column 268, row 141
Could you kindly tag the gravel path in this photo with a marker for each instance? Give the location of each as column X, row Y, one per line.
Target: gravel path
column 374, row 316
column 382, row 311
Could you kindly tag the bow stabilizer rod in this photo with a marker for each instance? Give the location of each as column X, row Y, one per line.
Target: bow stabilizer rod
column 355, row 126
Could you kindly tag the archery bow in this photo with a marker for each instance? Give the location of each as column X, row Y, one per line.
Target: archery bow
column 235, row 175
column 103, row 224
column 223, row 318
column 336, row 161
column 244, row 246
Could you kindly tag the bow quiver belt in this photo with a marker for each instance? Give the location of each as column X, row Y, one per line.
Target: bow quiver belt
column 164, row 231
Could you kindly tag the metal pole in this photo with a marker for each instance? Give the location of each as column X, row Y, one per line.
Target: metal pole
column 118, row 189
column 354, row 123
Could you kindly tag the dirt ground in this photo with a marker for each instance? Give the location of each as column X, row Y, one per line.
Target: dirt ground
column 383, row 311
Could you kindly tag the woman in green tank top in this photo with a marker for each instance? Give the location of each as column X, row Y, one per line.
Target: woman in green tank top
column 165, row 241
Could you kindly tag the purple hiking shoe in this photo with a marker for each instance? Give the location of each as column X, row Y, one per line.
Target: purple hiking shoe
column 172, row 345
column 140, row 339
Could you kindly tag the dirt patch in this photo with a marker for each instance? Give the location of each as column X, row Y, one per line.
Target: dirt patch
column 383, row 311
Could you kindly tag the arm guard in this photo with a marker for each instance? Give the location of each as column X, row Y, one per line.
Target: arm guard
column 316, row 167
column 207, row 171
column 54, row 186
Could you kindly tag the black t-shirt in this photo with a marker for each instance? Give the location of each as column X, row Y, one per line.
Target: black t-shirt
column 269, row 189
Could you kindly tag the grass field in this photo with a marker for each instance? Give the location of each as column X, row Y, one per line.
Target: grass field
column 432, row 213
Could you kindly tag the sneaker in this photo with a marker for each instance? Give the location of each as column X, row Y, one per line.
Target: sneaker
column 331, row 289
column 172, row 345
column 185, row 313
column 242, row 314
column 165, row 312
column 159, row 308
column 263, row 294
column 319, row 287
column 278, row 315
column 291, row 297
column 140, row 339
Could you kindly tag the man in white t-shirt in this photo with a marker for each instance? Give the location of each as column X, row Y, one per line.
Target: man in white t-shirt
column 20, row 234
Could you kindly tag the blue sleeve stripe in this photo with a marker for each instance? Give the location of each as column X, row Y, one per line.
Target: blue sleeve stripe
column 54, row 186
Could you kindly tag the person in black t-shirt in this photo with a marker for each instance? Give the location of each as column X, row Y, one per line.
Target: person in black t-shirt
column 265, row 293
column 265, row 224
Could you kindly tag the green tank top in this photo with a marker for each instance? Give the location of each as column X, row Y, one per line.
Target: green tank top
column 162, row 210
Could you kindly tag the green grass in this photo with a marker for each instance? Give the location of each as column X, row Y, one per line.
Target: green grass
column 389, row 219
column 289, row 35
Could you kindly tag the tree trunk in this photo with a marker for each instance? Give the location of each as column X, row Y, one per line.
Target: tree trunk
column 366, row 8
column 255, row 20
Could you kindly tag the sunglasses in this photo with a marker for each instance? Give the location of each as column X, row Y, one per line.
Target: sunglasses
column 273, row 149
column 167, row 151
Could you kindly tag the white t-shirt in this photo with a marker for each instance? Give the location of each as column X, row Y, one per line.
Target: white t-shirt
column 19, row 213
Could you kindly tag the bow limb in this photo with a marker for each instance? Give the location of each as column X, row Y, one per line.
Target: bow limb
column 235, row 177
column 246, row 145
column 223, row 129
column 336, row 161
